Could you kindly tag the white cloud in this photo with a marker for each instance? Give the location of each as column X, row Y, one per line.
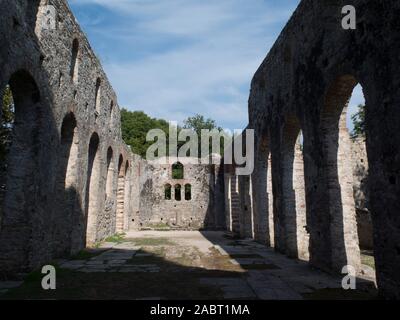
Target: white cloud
column 198, row 56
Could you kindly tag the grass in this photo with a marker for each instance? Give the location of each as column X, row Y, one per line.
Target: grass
column 117, row 238
column 86, row 254
column 150, row 242
column 367, row 258
column 175, row 281
column 72, row 285
column 160, row 226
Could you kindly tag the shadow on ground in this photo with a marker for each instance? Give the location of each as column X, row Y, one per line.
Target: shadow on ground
column 167, row 268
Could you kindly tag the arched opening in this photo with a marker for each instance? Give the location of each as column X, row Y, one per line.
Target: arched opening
column 98, row 95
column 293, row 188
column 263, row 218
column 6, row 128
column 177, row 171
column 338, row 177
column 93, row 181
column 167, row 192
column 110, row 174
column 74, row 67
column 111, row 112
column 120, row 195
column 19, row 149
column 127, row 192
column 66, row 185
column 178, row 194
column 356, row 124
column 245, row 192
column 188, row 192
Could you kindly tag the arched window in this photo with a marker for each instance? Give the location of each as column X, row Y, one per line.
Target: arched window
column 93, row 176
column 98, row 94
column 111, row 114
column 178, row 195
column 110, row 173
column 74, row 61
column 168, row 192
column 177, row 171
column 188, row 192
column 120, row 195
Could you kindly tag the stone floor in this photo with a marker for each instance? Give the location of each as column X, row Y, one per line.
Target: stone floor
column 192, row 265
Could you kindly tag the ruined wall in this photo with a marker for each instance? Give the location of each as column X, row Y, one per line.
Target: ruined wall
column 201, row 211
column 309, row 76
column 361, row 193
column 67, row 120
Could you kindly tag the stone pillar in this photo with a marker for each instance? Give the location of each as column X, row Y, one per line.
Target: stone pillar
column 260, row 197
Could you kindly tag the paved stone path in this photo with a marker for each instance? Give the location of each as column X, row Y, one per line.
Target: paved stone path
column 253, row 271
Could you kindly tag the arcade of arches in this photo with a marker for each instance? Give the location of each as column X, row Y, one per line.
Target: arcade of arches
column 68, row 180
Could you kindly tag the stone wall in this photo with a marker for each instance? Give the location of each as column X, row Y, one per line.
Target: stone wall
column 67, row 136
column 201, row 211
column 305, row 82
column 361, row 193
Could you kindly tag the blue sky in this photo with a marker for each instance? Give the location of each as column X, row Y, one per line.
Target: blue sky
column 175, row 58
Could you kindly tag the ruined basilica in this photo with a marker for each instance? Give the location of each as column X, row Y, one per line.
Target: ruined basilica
column 70, row 181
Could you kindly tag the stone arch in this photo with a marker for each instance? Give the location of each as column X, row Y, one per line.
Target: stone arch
column 92, row 186
column 338, row 175
column 110, row 173
column 293, row 190
column 178, row 171
column 7, row 120
column 120, row 195
column 74, row 66
column 263, row 218
column 127, row 193
column 19, row 205
column 21, row 156
column 188, row 192
column 246, row 217
column 111, row 111
column 67, row 178
column 178, row 192
column 168, row 192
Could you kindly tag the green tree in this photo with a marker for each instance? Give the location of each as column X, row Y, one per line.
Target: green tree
column 7, row 122
column 135, row 126
column 198, row 123
column 359, row 122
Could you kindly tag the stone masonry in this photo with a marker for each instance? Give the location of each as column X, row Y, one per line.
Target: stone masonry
column 71, row 181
column 197, row 211
column 303, row 87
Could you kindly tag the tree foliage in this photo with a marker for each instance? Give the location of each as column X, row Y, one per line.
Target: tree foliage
column 7, row 121
column 135, row 126
column 198, row 122
column 359, row 122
